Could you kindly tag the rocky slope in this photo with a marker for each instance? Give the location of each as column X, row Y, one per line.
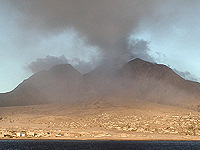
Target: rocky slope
column 158, row 83
column 60, row 83
column 137, row 79
column 140, row 79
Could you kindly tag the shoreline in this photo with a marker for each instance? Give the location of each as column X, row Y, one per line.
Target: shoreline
column 67, row 139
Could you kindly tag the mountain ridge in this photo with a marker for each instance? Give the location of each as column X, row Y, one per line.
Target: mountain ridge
column 138, row 79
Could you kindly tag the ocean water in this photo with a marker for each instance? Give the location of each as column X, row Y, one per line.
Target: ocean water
column 98, row 145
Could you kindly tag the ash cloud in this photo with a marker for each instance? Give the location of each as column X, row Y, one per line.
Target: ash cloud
column 106, row 24
column 103, row 23
column 46, row 63
column 50, row 61
column 137, row 49
column 83, row 66
column 140, row 49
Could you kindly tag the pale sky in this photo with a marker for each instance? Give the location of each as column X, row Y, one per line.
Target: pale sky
column 32, row 29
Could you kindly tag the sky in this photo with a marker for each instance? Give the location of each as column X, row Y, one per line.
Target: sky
column 37, row 34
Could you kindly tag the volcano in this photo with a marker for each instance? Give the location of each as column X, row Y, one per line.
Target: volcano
column 61, row 83
column 138, row 79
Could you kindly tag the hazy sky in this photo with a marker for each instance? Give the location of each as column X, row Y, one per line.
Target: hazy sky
column 36, row 34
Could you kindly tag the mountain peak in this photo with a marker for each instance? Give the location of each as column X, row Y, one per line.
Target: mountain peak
column 62, row 68
column 139, row 61
column 139, row 64
column 139, row 67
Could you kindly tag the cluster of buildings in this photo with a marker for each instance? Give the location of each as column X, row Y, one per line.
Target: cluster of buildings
column 174, row 124
column 104, row 124
column 39, row 133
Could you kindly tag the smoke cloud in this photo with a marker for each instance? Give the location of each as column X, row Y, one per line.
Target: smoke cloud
column 137, row 49
column 106, row 24
column 103, row 23
column 50, row 61
column 46, row 63
column 83, row 66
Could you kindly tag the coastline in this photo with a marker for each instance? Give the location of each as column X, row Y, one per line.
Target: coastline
column 107, row 139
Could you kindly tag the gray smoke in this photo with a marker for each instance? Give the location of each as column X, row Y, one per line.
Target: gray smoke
column 103, row 23
column 83, row 66
column 106, row 24
column 137, row 49
column 46, row 63
column 50, row 61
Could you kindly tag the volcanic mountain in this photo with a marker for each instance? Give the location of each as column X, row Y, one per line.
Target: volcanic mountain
column 158, row 83
column 138, row 79
column 61, row 83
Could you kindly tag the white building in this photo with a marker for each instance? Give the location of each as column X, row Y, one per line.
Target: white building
column 18, row 134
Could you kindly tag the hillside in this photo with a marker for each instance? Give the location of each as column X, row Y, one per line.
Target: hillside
column 136, row 80
column 158, row 83
column 139, row 79
column 60, row 83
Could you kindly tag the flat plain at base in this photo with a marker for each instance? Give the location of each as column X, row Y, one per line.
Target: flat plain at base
column 93, row 121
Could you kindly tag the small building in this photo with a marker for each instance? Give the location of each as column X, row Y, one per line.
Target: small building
column 31, row 134
column 14, row 135
column 18, row 134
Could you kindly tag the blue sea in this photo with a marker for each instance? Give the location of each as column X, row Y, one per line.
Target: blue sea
column 98, row 145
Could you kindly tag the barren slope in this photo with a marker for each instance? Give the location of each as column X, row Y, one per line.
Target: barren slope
column 61, row 83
